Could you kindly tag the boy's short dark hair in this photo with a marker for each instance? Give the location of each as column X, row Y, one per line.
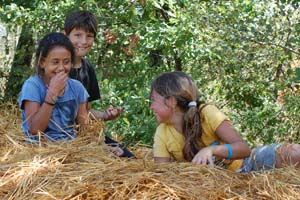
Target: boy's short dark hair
column 81, row 19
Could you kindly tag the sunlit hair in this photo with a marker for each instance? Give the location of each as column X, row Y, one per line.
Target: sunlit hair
column 81, row 19
column 47, row 43
column 182, row 87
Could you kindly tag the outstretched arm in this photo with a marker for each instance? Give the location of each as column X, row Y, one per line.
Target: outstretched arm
column 228, row 134
column 109, row 114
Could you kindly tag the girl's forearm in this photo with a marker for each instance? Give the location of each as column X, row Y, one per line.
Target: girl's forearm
column 98, row 115
column 39, row 120
column 238, row 150
column 82, row 116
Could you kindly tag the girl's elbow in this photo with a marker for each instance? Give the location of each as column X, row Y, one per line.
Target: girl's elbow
column 34, row 130
column 244, row 149
column 247, row 150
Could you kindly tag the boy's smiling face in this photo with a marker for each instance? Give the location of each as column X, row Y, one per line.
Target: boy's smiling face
column 82, row 41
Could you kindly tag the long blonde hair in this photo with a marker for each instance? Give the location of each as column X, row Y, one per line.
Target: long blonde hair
column 182, row 87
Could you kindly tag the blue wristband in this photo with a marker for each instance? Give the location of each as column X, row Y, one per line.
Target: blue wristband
column 228, row 146
column 215, row 143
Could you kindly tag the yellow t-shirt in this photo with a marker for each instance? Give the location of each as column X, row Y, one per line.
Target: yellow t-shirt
column 169, row 143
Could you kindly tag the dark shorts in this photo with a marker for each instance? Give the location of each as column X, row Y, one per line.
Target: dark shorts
column 261, row 158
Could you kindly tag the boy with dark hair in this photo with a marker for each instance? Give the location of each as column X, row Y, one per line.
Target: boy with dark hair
column 81, row 27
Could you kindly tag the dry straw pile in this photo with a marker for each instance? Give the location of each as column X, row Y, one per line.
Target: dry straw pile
column 86, row 169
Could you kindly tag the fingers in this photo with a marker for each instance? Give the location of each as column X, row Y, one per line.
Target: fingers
column 201, row 161
column 211, row 162
column 115, row 109
column 58, row 82
column 113, row 113
column 118, row 151
column 204, row 157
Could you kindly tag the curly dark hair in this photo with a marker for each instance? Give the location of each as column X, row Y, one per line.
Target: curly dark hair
column 47, row 43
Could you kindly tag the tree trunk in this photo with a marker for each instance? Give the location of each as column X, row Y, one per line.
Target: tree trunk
column 178, row 63
column 21, row 64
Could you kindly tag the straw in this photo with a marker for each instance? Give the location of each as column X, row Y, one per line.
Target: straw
column 86, row 168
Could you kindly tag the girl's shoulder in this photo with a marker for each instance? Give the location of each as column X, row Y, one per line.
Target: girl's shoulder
column 166, row 129
column 211, row 112
column 33, row 81
column 73, row 83
column 34, row 78
column 207, row 107
column 162, row 133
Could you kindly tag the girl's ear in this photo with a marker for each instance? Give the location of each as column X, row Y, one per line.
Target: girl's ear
column 172, row 102
column 41, row 63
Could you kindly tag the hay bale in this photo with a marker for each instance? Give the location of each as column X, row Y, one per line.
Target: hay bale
column 86, row 169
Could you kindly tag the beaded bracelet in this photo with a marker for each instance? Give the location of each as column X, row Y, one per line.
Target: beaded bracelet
column 51, row 104
column 52, row 96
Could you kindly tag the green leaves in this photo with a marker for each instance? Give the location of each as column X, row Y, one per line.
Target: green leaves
column 240, row 53
column 297, row 78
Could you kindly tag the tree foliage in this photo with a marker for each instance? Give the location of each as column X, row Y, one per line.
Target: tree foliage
column 243, row 54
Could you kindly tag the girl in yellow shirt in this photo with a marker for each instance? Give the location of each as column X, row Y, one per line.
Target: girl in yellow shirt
column 190, row 130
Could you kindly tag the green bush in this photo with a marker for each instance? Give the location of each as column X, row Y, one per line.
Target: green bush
column 239, row 52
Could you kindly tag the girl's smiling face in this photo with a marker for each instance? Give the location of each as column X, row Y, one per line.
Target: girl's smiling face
column 57, row 60
column 162, row 110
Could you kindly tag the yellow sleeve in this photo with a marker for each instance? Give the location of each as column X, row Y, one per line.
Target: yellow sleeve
column 160, row 145
column 213, row 117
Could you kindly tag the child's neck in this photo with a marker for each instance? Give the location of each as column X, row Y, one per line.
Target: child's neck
column 78, row 62
column 177, row 121
column 46, row 80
